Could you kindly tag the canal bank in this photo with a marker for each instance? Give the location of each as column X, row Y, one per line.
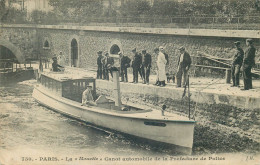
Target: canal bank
column 227, row 118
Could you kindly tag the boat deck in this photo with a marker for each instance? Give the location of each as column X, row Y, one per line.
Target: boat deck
column 141, row 112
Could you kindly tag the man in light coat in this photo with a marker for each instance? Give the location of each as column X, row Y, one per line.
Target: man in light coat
column 161, row 64
column 87, row 97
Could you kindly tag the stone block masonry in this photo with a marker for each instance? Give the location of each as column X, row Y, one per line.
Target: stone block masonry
column 91, row 39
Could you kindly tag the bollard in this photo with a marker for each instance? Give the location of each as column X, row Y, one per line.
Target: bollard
column 228, row 76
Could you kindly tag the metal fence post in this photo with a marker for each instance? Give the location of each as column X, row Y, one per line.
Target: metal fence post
column 213, row 19
column 237, row 23
column 190, row 24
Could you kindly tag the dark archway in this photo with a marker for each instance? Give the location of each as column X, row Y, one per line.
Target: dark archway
column 6, row 53
column 114, row 49
column 6, row 57
column 15, row 51
column 74, row 53
column 46, row 44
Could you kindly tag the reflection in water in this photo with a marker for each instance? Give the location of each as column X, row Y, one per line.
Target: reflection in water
column 29, row 128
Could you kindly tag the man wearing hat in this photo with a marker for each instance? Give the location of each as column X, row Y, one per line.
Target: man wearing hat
column 104, row 61
column 184, row 63
column 248, row 63
column 146, row 66
column 161, row 64
column 55, row 66
column 99, row 64
column 236, row 64
column 136, row 64
column 125, row 63
column 87, row 97
column 108, row 63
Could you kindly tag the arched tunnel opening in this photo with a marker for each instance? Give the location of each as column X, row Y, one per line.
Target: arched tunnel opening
column 114, row 49
column 7, row 58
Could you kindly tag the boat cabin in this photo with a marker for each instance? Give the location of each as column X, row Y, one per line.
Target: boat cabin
column 72, row 89
column 69, row 88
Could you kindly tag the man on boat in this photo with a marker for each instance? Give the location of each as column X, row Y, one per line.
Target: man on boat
column 236, row 64
column 146, row 66
column 99, row 64
column 248, row 63
column 87, row 97
column 184, row 63
column 55, row 66
column 125, row 63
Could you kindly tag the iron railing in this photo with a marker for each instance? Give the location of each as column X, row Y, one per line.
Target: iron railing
column 196, row 22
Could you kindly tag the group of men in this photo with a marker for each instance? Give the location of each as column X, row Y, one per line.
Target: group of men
column 244, row 60
column 141, row 63
column 105, row 65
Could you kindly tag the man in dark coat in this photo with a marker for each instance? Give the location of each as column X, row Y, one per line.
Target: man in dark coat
column 99, row 64
column 146, row 66
column 184, row 63
column 136, row 64
column 108, row 63
column 103, row 61
column 236, row 64
column 248, row 63
column 55, row 66
column 125, row 63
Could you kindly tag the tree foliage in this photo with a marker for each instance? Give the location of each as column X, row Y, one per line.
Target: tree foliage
column 135, row 8
column 78, row 9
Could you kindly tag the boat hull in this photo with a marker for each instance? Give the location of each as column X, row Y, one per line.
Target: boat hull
column 177, row 133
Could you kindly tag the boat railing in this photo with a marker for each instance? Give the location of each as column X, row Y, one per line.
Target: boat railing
column 12, row 65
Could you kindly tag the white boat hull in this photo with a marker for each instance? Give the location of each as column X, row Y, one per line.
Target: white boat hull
column 175, row 132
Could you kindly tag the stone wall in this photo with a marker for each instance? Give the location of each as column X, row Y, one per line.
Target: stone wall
column 90, row 42
column 23, row 38
column 30, row 39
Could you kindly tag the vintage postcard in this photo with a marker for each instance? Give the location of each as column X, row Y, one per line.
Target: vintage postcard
column 129, row 82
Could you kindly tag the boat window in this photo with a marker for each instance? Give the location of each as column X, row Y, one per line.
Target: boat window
column 73, row 89
column 52, row 84
column 154, row 123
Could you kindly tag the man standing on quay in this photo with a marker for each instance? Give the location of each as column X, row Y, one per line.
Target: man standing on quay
column 161, row 64
column 146, row 66
column 125, row 63
column 236, row 64
column 99, row 64
column 184, row 63
column 248, row 63
column 136, row 64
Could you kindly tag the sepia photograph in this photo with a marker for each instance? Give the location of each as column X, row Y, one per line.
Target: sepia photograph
column 144, row 82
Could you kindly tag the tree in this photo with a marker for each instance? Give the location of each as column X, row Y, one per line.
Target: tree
column 77, row 10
